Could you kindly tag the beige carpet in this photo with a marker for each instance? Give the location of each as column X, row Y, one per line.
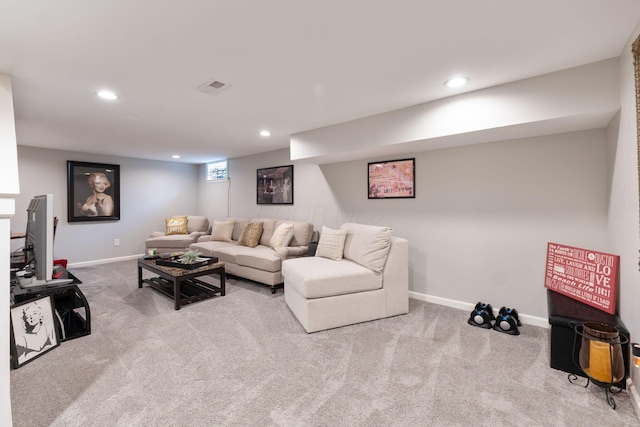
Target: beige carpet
column 243, row 360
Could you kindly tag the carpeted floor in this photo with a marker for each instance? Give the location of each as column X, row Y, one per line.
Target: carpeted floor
column 244, row 360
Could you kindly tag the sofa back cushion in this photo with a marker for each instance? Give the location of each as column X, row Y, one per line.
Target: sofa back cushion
column 238, row 227
column 197, row 223
column 222, row 230
column 268, row 227
column 302, row 232
column 368, row 245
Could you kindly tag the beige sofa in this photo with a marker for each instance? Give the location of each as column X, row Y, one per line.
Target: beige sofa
column 262, row 263
column 197, row 226
column 370, row 281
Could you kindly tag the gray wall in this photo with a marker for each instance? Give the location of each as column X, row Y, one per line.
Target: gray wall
column 150, row 191
column 482, row 216
column 478, row 227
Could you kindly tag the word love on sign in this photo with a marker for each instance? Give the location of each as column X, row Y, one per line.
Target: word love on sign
column 587, row 276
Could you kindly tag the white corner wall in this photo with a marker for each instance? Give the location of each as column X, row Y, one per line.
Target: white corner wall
column 9, row 187
column 623, row 215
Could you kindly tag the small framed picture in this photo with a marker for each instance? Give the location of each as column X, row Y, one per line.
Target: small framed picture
column 33, row 330
column 93, row 192
column 392, row 179
column 275, row 186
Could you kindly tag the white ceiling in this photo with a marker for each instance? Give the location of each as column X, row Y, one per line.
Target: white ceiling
column 293, row 65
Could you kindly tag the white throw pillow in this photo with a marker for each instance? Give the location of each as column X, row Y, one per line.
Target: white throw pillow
column 282, row 235
column 331, row 244
column 368, row 245
column 222, row 230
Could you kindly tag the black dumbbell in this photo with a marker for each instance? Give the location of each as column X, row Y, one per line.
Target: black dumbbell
column 512, row 311
column 481, row 316
column 507, row 321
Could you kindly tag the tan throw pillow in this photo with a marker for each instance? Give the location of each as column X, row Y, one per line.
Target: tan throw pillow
column 251, row 234
column 222, row 230
column 281, row 236
column 176, row 225
column 331, row 244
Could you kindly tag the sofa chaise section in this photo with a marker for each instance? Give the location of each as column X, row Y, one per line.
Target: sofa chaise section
column 165, row 242
column 325, row 293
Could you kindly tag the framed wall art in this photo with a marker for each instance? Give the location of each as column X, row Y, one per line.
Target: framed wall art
column 93, row 192
column 33, row 330
column 392, row 179
column 275, row 185
column 635, row 50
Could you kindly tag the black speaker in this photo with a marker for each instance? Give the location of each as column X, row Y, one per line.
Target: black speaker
column 481, row 316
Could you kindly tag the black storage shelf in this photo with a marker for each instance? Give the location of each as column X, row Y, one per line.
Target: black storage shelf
column 71, row 307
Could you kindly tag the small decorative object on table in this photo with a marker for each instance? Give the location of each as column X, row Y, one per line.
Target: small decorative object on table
column 189, row 260
column 190, row 257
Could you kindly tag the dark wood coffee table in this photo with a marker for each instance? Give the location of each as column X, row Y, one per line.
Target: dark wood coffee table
column 182, row 284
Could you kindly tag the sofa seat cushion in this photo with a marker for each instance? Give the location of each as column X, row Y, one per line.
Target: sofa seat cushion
column 260, row 257
column 171, row 241
column 316, row 277
column 210, row 247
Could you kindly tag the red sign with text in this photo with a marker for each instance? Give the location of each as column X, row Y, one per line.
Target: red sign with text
column 587, row 276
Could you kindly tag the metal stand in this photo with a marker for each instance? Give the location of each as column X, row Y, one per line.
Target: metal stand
column 610, row 387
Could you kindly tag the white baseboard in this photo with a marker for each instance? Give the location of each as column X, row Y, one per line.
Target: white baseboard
column 461, row 305
column 634, row 397
column 104, row 261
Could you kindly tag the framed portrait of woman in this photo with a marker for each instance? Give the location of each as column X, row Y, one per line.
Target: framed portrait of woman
column 33, row 330
column 93, row 192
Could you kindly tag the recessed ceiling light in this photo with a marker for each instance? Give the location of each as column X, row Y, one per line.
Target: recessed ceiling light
column 456, row 82
column 175, row 156
column 265, row 133
column 107, row 94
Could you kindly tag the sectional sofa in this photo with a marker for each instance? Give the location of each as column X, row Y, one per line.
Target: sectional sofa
column 263, row 262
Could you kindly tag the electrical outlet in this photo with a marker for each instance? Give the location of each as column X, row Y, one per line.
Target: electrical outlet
column 116, row 242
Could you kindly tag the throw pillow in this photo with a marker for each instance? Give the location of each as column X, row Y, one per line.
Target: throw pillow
column 281, row 236
column 331, row 244
column 222, row 230
column 368, row 245
column 176, row 225
column 251, row 234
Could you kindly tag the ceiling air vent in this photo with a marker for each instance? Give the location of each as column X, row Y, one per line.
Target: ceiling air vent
column 213, row 86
